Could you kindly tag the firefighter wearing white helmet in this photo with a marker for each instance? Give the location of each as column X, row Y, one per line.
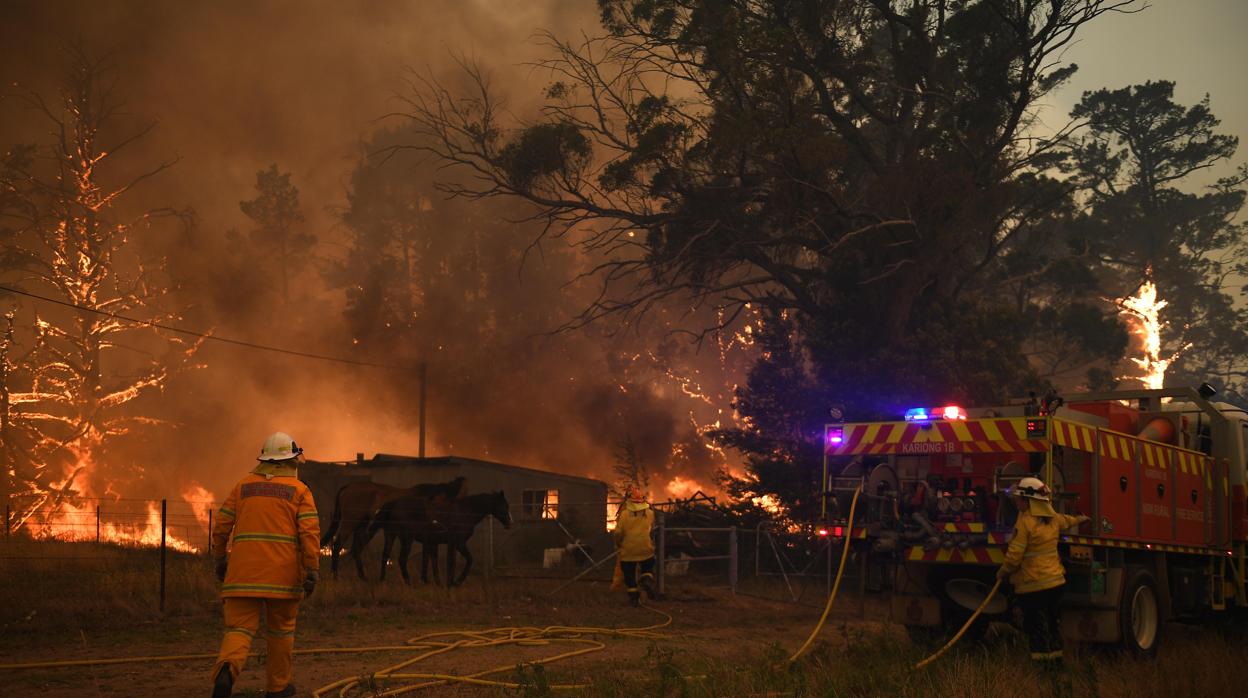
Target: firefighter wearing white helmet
column 1034, row 569
column 270, row 522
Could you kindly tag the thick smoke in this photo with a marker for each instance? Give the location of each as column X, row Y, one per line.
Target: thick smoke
column 238, row 86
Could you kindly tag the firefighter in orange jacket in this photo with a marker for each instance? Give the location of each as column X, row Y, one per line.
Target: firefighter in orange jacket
column 636, row 550
column 1034, row 569
column 270, row 520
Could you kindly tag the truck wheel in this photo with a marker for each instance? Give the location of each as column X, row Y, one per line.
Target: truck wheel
column 1139, row 615
column 934, row 637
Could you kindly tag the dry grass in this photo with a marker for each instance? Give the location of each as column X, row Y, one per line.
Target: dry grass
column 1192, row 663
column 57, row 589
column 53, row 585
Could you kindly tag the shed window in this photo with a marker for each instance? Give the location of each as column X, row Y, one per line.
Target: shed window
column 540, row 504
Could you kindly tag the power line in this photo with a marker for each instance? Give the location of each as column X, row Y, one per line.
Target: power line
column 207, row 337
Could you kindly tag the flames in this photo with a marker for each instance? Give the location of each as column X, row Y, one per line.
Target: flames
column 768, row 503
column 1144, row 309
column 682, row 487
column 201, row 502
column 86, row 518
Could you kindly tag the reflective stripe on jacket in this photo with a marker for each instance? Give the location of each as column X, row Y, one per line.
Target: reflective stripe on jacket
column 632, row 532
column 271, row 522
column 1032, row 558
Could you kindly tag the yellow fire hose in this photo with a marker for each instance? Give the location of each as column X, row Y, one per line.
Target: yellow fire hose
column 429, row 645
column 849, row 532
column 837, row 585
column 494, row 637
column 955, row 638
column 190, row 657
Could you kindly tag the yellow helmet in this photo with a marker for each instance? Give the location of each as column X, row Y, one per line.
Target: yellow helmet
column 279, row 446
column 1031, row 488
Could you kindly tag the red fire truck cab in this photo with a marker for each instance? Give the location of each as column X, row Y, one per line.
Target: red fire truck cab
column 1161, row 473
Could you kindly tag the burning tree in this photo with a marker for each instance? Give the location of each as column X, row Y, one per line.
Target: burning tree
column 1169, row 253
column 69, row 239
column 856, row 171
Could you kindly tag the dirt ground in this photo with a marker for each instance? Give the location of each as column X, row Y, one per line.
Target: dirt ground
column 710, row 623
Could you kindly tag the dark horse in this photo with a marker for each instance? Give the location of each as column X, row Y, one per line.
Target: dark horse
column 357, row 504
column 437, row 522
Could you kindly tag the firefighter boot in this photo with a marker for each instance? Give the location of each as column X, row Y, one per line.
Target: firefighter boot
column 647, row 585
column 223, row 685
column 284, row 693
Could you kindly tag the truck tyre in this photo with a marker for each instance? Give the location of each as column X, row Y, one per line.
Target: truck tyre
column 952, row 620
column 1139, row 614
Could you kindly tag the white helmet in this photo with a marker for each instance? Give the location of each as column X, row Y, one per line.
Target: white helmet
column 279, row 446
column 1031, row 488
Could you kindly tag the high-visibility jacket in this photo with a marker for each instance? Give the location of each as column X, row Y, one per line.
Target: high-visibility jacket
column 270, row 520
column 632, row 532
column 1032, row 559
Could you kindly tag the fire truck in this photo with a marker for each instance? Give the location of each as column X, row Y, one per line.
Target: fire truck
column 1161, row 473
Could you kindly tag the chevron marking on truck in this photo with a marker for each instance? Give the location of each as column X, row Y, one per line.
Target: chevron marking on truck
column 1074, row 435
column 978, row 555
column 968, row 436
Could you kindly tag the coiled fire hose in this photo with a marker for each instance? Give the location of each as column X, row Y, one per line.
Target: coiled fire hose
column 427, row 645
column 955, row 638
column 849, row 534
column 439, row 643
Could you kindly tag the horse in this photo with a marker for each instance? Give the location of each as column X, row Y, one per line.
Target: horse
column 437, row 522
column 357, row 504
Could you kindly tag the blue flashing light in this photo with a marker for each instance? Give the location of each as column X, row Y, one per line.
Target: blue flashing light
column 917, row 414
column 836, row 435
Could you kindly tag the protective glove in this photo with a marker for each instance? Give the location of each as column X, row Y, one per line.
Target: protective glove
column 222, row 563
column 309, row 582
column 1002, row 574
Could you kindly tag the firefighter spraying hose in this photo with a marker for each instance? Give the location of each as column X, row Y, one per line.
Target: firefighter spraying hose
column 1034, row 568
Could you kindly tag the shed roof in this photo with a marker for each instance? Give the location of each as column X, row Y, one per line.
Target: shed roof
column 388, row 460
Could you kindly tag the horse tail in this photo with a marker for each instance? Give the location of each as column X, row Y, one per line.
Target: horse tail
column 335, row 519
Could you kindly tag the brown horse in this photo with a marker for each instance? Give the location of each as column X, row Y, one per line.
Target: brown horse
column 357, row 504
column 433, row 523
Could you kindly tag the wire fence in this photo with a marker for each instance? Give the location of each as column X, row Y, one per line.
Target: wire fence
column 162, row 524
column 570, row 544
column 182, row 525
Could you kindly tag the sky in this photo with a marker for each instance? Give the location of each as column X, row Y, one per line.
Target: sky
column 1197, row 44
column 237, row 85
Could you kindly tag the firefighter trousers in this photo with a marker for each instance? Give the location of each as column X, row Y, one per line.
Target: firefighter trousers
column 242, row 622
column 1042, row 623
column 638, row 572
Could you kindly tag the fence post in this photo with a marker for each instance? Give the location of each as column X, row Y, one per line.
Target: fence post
column 210, row 532
column 661, row 568
column 97, row 523
column 732, row 559
column 164, row 516
column 758, row 544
